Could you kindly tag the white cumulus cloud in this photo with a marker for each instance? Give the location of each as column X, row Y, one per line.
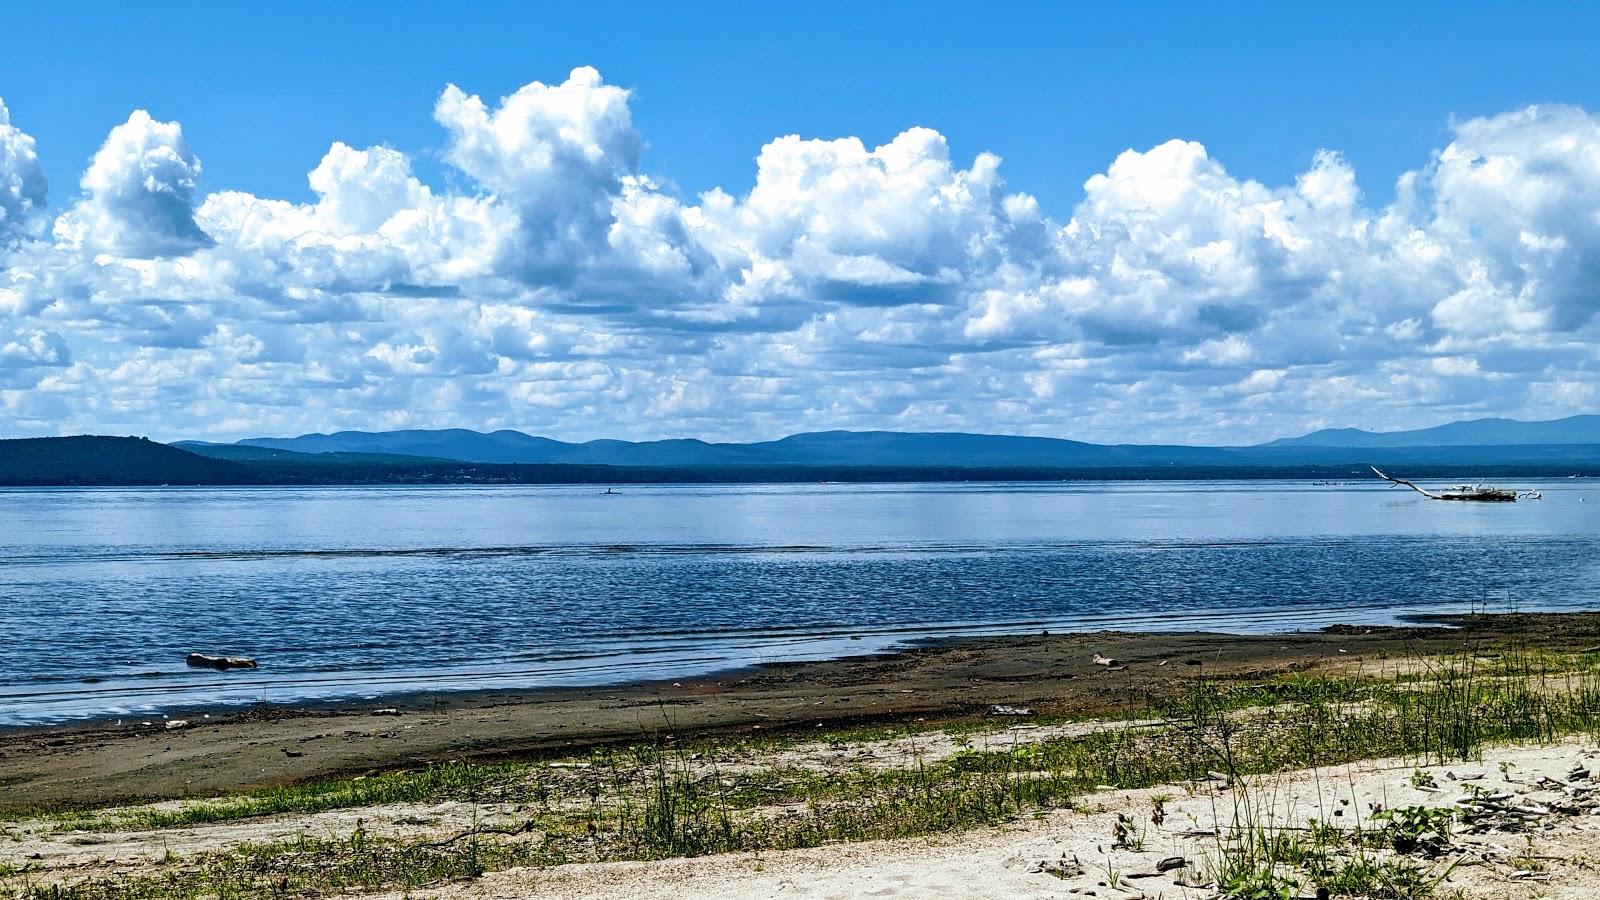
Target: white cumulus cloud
column 138, row 194
column 22, row 181
column 560, row 286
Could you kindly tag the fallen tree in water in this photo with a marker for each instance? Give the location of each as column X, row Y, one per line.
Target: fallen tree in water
column 1479, row 492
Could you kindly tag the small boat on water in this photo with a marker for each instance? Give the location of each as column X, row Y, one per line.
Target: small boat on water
column 221, row 663
column 1482, row 493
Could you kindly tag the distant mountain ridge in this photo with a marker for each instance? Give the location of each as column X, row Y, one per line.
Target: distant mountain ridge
column 823, row 448
column 1466, row 433
column 809, row 458
column 896, row 448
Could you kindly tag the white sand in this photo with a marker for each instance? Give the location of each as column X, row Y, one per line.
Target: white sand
column 1000, row 863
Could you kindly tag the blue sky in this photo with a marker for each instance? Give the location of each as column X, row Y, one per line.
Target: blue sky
column 1202, row 292
column 1056, row 89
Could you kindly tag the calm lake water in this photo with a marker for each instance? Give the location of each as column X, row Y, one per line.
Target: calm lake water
column 356, row 592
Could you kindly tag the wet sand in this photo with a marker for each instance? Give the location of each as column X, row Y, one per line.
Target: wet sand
column 105, row 764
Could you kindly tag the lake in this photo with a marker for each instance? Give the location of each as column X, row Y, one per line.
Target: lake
column 358, row 592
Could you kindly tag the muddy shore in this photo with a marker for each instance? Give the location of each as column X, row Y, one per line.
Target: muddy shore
column 104, row 764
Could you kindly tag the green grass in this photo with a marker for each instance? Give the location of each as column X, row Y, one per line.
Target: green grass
column 450, row 780
column 296, row 868
column 1310, row 722
column 1449, row 709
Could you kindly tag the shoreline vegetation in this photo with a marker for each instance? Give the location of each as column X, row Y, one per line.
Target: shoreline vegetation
column 1445, row 759
column 96, row 461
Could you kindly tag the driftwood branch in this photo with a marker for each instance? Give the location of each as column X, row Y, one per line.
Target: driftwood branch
column 1428, row 494
column 524, row 828
column 1479, row 492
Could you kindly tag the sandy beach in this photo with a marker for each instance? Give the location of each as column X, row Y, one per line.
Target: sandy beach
column 1175, row 767
column 1024, row 860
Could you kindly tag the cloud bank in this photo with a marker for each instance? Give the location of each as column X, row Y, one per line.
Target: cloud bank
column 560, row 287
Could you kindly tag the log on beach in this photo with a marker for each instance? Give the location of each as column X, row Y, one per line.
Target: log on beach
column 202, row 661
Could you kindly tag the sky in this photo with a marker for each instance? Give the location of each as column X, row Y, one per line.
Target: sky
column 1140, row 223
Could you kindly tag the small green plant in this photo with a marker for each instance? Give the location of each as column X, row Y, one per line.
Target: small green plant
column 1385, row 879
column 1529, row 859
column 1113, row 875
column 1259, row 882
column 1416, row 829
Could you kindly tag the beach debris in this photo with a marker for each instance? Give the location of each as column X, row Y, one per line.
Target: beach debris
column 1062, row 868
column 1480, row 492
column 1106, row 661
column 1171, row 863
column 222, row 663
column 1000, row 709
column 1463, row 833
column 175, row 724
column 1123, row 832
column 386, row 711
column 1483, row 810
column 527, row 826
column 292, row 754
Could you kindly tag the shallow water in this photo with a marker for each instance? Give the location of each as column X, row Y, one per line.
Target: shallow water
column 354, row 592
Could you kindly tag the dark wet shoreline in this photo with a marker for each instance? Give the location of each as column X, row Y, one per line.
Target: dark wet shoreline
column 948, row 680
